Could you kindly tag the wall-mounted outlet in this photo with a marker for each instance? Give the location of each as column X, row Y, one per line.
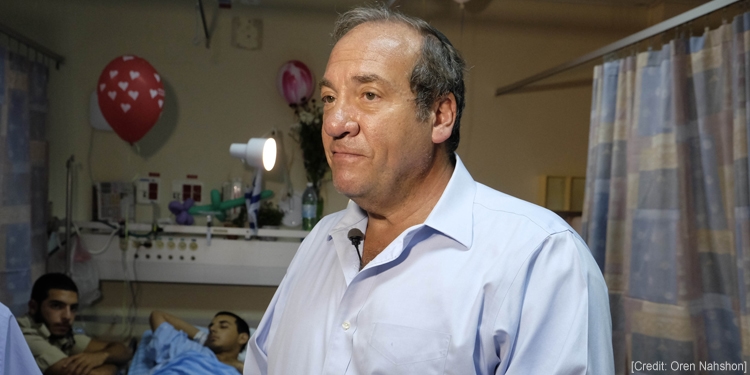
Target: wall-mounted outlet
column 188, row 188
column 147, row 189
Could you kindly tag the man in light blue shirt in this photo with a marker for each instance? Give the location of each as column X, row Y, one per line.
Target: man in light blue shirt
column 452, row 277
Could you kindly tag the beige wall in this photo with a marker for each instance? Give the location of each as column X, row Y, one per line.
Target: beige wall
column 222, row 95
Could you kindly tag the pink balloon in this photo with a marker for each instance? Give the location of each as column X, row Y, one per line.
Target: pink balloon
column 295, row 82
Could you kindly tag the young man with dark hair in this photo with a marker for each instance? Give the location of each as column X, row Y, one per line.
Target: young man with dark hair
column 48, row 331
column 226, row 338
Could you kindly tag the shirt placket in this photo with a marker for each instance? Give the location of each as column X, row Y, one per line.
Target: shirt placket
column 339, row 353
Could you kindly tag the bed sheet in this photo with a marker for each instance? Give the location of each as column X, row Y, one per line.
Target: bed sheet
column 170, row 352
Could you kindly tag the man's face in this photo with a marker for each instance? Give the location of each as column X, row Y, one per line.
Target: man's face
column 373, row 140
column 223, row 335
column 57, row 312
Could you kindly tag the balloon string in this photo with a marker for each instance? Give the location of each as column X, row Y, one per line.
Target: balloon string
column 461, row 38
column 88, row 157
column 196, row 37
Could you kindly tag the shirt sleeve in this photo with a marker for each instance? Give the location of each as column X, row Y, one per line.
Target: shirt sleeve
column 44, row 353
column 256, row 356
column 564, row 325
column 17, row 358
column 82, row 342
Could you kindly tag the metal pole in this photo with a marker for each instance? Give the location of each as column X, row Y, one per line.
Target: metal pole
column 657, row 29
column 68, row 212
column 30, row 43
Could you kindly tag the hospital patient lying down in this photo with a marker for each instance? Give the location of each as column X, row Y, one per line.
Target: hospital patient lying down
column 179, row 347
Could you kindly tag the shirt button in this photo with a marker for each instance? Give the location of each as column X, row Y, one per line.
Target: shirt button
column 345, row 326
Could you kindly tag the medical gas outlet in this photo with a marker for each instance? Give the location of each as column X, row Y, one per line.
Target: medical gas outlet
column 147, row 189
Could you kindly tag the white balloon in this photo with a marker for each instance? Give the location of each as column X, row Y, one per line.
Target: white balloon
column 96, row 118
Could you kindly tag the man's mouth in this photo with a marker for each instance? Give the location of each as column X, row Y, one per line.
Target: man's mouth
column 347, row 154
column 61, row 327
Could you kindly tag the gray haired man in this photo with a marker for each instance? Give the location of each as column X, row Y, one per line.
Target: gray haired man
column 452, row 277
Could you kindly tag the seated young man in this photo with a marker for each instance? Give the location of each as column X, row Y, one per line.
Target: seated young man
column 48, row 331
column 227, row 336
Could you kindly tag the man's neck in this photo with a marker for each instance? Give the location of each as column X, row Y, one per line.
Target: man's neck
column 228, row 358
column 387, row 220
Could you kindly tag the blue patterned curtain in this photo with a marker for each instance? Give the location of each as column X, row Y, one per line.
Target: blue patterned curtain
column 23, row 177
column 667, row 207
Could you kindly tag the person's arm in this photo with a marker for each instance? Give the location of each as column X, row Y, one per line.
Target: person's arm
column 60, row 368
column 159, row 317
column 99, row 355
column 104, row 370
column 564, row 325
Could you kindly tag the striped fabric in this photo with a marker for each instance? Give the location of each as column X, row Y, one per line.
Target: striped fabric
column 23, row 177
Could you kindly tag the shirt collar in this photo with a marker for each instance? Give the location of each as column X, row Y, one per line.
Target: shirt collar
column 29, row 325
column 452, row 215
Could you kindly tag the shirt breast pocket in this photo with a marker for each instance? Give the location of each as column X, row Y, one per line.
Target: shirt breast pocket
column 406, row 350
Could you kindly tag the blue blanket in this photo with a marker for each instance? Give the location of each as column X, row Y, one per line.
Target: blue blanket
column 170, row 352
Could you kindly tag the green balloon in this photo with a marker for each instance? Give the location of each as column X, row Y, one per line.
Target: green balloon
column 217, row 208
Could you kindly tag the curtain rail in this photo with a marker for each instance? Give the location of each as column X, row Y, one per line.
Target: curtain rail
column 58, row 59
column 657, row 29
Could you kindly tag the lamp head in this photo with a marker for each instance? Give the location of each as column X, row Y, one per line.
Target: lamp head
column 258, row 152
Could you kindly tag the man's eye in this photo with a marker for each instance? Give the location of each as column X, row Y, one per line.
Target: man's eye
column 327, row 99
column 370, row 96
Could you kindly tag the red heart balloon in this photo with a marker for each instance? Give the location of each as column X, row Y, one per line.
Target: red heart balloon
column 131, row 96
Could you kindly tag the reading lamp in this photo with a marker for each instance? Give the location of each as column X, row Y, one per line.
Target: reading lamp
column 259, row 153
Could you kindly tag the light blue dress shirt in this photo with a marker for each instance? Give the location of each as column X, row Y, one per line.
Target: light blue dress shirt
column 15, row 355
column 489, row 284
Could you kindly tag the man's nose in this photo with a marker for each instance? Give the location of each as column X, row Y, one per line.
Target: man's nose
column 341, row 121
column 67, row 314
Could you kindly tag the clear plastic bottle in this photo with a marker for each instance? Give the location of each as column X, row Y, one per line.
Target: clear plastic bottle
column 309, row 207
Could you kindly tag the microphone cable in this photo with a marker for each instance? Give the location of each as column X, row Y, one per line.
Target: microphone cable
column 355, row 235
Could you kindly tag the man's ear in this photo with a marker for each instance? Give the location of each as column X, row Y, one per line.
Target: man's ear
column 33, row 307
column 243, row 338
column 445, row 117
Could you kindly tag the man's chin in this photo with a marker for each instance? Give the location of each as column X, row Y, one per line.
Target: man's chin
column 60, row 331
column 349, row 187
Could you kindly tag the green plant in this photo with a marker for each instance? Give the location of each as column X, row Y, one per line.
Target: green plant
column 307, row 132
column 269, row 214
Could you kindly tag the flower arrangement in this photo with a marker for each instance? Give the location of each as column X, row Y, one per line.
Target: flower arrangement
column 307, row 132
